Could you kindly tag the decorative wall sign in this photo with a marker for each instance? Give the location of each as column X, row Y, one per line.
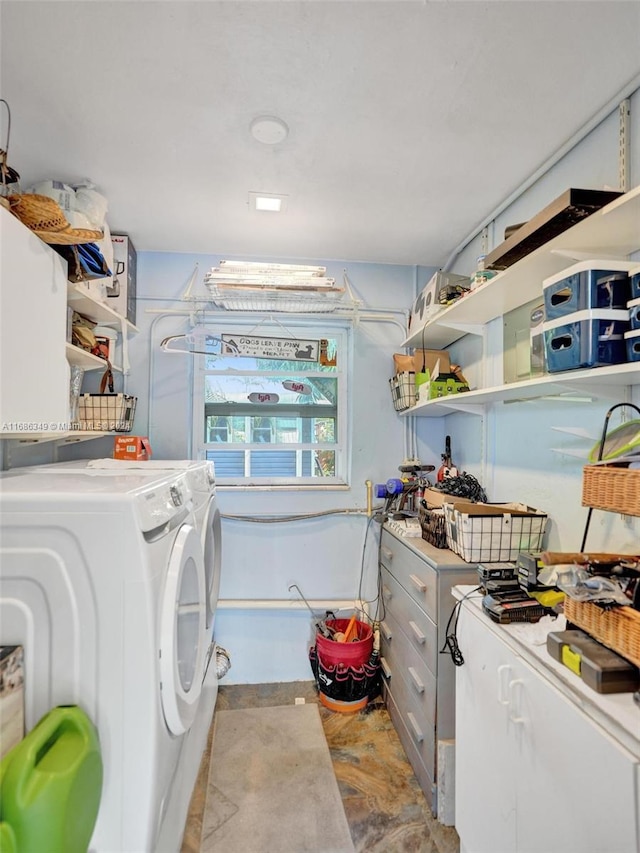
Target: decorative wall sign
column 288, row 349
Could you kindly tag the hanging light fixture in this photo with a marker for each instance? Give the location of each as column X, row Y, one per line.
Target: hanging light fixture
column 9, row 178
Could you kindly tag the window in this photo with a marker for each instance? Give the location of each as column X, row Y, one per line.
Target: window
column 273, row 420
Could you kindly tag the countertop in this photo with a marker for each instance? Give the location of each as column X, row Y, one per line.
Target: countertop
column 617, row 713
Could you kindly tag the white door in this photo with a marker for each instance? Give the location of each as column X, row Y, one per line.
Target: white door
column 212, row 546
column 182, row 632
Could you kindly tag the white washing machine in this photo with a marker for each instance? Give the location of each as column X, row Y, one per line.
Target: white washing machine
column 102, row 582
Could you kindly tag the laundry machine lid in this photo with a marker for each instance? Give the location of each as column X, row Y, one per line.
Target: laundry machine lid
column 182, row 631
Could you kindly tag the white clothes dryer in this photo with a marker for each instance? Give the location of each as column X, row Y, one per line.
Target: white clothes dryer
column 200, row 478
column 102, row 582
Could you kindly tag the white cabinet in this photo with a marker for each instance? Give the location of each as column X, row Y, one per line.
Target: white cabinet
column 613, row 230
column 34, row 372
column 535, row 771
column 418, row 681
column 34, row 353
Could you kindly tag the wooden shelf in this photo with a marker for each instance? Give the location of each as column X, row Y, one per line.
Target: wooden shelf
column 84, row 304
column 601, row 381
column 86, row 360
column 67, row 437
column 613, row 230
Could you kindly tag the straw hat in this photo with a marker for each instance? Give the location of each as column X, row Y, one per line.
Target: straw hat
column 45, row 217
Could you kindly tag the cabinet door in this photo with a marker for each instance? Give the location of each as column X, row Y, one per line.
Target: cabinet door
column 34, row 373
column 485, row 792
column 575, row 784
column 534, row 773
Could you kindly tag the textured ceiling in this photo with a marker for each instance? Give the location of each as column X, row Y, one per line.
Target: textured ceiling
column 409, row 121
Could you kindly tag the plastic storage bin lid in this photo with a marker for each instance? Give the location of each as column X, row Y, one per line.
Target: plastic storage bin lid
column 587, row 315
column 596, row 264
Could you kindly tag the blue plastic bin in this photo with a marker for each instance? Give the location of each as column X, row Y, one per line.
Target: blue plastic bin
column 592, row 338
column 589, row 284
column 632, row 341
column 634, row 313
column 634, row 275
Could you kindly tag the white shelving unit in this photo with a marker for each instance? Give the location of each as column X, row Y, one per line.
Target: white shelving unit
column 34, row 378
column 612, row 231
column 600, row 381
column 85, row 304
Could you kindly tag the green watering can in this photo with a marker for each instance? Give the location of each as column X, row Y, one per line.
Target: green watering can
column 50, row 786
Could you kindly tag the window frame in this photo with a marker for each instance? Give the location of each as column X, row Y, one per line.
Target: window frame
column 342, row 332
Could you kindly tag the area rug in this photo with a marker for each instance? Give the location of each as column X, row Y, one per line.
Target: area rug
column 271, row 785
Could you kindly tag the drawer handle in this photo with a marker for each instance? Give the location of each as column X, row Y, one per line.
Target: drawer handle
column 416, row 728
column 420, row 637
column 515, row 700
column 387, row 552
column 386, row 630
column 416, row 680
column 386, row 593
column 386, row 669
column 419, row 584
column 502, row 686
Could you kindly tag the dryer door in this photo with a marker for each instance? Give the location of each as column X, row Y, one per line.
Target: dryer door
column 212, row 547
column 182, row 629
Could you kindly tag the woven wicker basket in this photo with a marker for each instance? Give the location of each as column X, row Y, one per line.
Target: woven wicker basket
column 612, row 488
column 618, row 628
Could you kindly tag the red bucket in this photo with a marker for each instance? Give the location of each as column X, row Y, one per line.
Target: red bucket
column 355, row 653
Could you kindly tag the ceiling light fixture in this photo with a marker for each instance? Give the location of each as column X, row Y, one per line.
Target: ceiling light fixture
column 268, row 202
column 270, row 130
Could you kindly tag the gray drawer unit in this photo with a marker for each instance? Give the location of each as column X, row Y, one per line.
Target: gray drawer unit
column 421, row 633
column 416, row 576
column 419, row 682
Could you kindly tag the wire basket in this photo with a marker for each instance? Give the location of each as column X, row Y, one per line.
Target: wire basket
column 617, row 628
column 611, row 487
column 493, row 532
column 434, row 527
column 106, row 412
column 403, row 390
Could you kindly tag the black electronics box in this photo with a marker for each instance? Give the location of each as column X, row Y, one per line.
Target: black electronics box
column 497, row 571
column 568, row 209
column 506, row 607
column 600, row 668
column 529, row 564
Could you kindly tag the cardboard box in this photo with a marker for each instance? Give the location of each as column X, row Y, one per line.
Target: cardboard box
column 428, row 303
column 121, row 292
column 11, row 697
column 432, row 358
column 135, row 448
column 435, row 498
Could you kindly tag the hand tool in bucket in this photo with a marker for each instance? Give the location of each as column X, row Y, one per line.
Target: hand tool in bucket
column 320, row 625
column 602, row 454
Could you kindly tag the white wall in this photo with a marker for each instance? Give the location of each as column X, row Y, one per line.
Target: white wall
column 512, row 446
column 323, row 556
